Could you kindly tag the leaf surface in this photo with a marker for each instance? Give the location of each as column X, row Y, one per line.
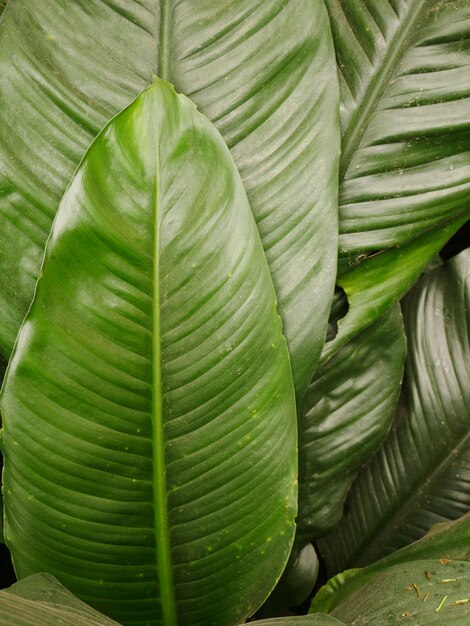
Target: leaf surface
column 346, row 414
column 41, row 600
column 149, row 412
column 423, row 593
column 445, row 542
column 264, row 73
column 405, row 167
column 303, row 620
column 420, row 476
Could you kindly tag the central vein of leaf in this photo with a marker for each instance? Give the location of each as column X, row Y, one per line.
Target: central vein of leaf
column 163, row 61
column 359, row 121
column 162, row 534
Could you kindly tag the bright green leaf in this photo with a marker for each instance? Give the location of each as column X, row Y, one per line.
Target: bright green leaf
column 346, row 414
column 405, row 168
column 263, row 72
column 422, row 593
column 149, row 413
column 420, row 476
column 41, row 600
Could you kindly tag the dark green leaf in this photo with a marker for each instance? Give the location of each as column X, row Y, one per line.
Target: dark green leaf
column 444, row 541
column 346, row 415
column 296, row 583
column 420, row 476
column 405, row 168
column 263, row 72
column 305, row 620
column 422, row 593
column 149, row 413
column 41, row 600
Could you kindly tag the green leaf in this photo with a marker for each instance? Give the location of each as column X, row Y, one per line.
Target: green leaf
column 149, row 413
column 420, row 476
column 422, row 593
column 444, row 541
column 41, row 600
column 405, row 167
column 304, row 620
column 264, row 73
column 296, row 583
column 346, row 415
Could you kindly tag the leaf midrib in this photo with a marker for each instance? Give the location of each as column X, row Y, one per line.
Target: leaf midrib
column 163, row 54
column 359, row 120
column 160, row 495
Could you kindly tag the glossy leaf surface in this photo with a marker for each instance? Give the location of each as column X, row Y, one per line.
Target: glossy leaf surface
column 264, row 73
column 423, row 593
column 149, row 412
column 347, row 412
column 445, row 542
column 405, row 167
column 41, row 600
column 420, row 476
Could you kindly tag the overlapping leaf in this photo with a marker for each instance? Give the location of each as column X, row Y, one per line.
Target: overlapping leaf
column 346, row 415
column 41, row 600
column 445, row 542
column 423, row 593
column 421, row 475
column 264, row 73
column 405, row 168
column 149, row 411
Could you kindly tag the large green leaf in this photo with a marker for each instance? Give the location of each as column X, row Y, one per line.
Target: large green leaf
column 421, row 475
column 405, row 167
column 422, row 593
column 149, row 413
column 346, row 414
column 41, row 600
column 263, row 72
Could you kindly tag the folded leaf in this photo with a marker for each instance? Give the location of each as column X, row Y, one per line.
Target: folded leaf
column 149, row 412
column 41, row 600
column 405, row 167
column 346, row 414
column 424, row 593
column 420, row 476
column 263, row 72
column 444, row 541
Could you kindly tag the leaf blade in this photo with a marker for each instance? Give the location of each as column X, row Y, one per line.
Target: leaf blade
column 86, row 441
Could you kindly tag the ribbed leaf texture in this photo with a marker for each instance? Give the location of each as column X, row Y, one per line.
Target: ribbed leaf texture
column 421, row 475
column 405, row 167
column 41, row 600
column 446, row 542
column 263, row 72
column 423, row 593
column 149, row 411
column 346, row 415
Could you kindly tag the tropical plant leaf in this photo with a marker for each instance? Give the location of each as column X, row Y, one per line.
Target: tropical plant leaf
column 264, row 73
column 421, row 475
column 296, row 584
column 317, row 619
column 41, row 600
column 346, row 414
column 405, row 166
column 446, row 542
column 149, row 413
column 374, row 285
column 424, row 593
